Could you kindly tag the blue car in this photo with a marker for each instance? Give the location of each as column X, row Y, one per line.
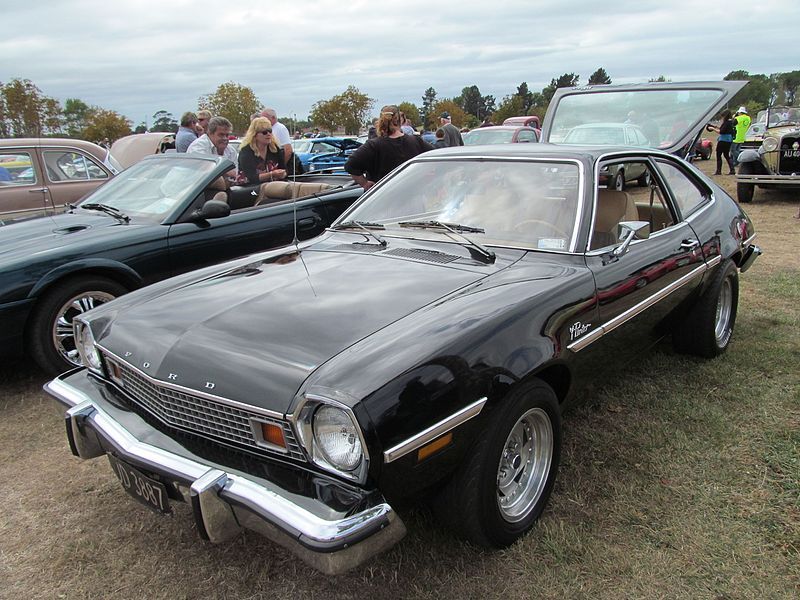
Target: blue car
column 327, row 151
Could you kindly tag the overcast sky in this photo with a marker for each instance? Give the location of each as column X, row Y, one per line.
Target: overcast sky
column 140, row 56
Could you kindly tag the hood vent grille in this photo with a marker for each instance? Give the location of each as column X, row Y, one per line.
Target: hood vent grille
column 424, row 255
column 359, row 247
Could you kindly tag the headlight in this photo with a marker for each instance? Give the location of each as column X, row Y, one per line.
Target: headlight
column 84, row 340
column 330, row 433
column 769, row 144
column 337, row 438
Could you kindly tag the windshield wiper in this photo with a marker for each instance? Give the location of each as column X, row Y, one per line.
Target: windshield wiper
column 455, row 229
column 364, row 225
column 109, row 210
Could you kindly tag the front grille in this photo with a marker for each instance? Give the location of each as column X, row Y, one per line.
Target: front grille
column 203, row 416
column 791, row 165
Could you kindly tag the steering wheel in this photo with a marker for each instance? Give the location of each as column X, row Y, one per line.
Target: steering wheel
column 550, row 227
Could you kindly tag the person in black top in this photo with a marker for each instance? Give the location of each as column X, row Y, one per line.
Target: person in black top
column 260, row 158
column 380, row 155
column 726, row 132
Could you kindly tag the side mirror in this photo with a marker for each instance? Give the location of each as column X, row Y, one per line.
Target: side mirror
column 629, row 231
column 212, row 209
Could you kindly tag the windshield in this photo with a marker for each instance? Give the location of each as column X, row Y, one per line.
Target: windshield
column 662, row 116
column 531, row 203
column 152, row 188
column 488, row 136
column 784, row 115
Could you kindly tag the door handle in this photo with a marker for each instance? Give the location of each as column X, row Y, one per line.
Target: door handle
column 307, row 223
column 38, row 191
column 690, row 245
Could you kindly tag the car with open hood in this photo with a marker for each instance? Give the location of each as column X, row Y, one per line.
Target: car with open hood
column 425, row 345
column 40, row 176
column 165, row 215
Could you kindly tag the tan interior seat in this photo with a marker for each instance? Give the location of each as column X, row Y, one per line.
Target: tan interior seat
column 613, row 207
column 301, row 190
column 218, row 185
column 274, row 191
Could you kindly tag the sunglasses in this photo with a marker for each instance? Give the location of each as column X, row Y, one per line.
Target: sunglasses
column 266, row 131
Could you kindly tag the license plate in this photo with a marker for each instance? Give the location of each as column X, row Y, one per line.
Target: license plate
column 791, row 154
column 151, row 493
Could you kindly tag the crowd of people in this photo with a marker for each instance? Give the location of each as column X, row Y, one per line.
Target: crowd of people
column 266, row 154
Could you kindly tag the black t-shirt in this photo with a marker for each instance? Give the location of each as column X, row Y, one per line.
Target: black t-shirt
column 380, row 155
column 251, row 164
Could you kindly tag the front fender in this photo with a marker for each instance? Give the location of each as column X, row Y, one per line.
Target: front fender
column 749, row 155
column 112, row 268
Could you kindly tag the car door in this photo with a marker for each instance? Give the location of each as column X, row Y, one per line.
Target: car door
column 638, row 289
column 71, row 174
column 23, row 189
column 194, row 244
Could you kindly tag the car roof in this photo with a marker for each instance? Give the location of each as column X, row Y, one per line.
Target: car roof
column 540, row 150
column 94, row 149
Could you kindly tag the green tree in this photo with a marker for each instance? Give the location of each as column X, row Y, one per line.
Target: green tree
column 457, row 115
column 234, row 102
column 659, row 79
column 26, row 112
column 164, row 121
column 411, row 112
column 525, row 96
column 428, row 116
column 599, row 77
column 349, row 110
column 76, row 112
column 511, row 106
column 105, row 124
column 790, row 82
column 565, row 80
column 758, row 93
column 471, row 101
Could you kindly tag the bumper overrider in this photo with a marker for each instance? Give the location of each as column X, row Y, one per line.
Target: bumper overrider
column 330, row 538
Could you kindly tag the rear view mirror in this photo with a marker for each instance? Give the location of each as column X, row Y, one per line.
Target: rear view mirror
column 213, row 209
column 629, row 231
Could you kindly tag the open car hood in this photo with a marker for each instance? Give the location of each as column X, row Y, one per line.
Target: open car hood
column 669, row 114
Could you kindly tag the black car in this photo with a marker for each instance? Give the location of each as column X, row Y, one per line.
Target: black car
column 163, row 216
column 425, row 345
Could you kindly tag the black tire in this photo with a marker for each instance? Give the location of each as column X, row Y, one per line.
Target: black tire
column 473, row 504
column 644, row 179
column 53, row 351
column 707, row 329
column 745, row 192
column 618, row 182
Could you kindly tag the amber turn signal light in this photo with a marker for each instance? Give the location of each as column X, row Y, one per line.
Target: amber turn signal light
column 273, row 434
column 434, row 447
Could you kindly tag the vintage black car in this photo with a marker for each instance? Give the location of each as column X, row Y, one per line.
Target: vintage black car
column 163, row 216
column 775, row 161
column 425, row 345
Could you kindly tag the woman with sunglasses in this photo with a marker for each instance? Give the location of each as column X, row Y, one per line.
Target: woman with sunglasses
column 260, row 158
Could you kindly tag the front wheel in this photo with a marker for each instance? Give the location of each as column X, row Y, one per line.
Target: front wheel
column 708, row 328
column 618, row 183
column 51, row 341
column 502, row 487
column 744, row 192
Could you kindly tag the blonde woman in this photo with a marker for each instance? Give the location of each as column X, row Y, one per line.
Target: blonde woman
column 389, row 149
column 260, row 158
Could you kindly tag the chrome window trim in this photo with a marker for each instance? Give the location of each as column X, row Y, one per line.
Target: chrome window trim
column 193, row 392
column 626, row 316
column 427, row 435
column 605, row 249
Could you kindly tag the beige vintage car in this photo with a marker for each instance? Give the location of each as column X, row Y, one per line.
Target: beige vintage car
column 133, row 148
column 39, row 176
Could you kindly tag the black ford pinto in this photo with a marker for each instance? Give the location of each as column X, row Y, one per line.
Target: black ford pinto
column 426, row 343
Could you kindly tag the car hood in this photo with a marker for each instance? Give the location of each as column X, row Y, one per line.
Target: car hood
column 670, row 114
column 254, row 333
column 36, row 237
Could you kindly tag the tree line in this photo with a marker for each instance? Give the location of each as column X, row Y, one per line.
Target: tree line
column 25, row 111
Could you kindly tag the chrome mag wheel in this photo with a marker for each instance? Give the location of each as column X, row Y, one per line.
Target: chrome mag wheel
column 63, row 335
column 722, row 322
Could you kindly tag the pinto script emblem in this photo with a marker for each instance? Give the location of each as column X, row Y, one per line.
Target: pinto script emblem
column 578, row 329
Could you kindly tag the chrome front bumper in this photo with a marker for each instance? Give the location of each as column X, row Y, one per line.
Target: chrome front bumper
column 224, row 502
column 759, row 179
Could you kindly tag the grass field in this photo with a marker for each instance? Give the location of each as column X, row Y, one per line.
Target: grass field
column 670, row 487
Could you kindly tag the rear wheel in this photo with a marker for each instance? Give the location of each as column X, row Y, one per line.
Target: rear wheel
column 618, row 183
column 502, row 487
column 51, row 341
column 745, row 191
column 708, row 328
column 644, row 179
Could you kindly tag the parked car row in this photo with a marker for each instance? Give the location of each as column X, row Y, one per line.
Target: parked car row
column 423, row 345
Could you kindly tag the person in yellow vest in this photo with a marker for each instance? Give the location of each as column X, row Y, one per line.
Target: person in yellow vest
column 742, row 124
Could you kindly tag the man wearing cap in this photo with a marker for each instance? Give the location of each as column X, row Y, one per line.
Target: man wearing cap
column 742, row 124
column 452, row 136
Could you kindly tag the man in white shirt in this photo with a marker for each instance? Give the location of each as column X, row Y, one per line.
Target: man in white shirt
column 215, row 142
column 280, row 133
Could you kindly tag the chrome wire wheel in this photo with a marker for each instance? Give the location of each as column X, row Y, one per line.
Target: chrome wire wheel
column 63, row 334
column 722, row 321
column 524, row 465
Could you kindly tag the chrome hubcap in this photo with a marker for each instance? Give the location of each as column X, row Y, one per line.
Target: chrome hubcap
column 524, row 465
column 723, row 317
column 63, row 335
